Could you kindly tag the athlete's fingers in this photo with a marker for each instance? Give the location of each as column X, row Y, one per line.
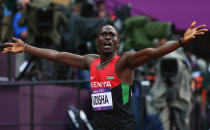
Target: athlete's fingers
column 193, row 25
column 203, row 30
column 4, row 51
column 198, row 33
column 15, row 39
column 199, row 27
column 8, row 48
column 9, row 43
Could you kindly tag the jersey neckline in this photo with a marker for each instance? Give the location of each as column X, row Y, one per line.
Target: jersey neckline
column 99, row 59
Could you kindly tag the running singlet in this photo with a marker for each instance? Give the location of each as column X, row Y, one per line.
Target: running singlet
column 111, row 98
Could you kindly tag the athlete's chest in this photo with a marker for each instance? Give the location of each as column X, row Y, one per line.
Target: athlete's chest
column 106, row 78
column 103, row 78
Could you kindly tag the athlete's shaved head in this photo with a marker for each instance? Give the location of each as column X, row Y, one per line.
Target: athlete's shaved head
column 110, row 26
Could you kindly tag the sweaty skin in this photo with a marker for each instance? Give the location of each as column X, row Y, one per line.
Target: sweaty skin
column 107, row 44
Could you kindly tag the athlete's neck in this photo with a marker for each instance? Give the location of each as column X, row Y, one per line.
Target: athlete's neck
column 107, row 59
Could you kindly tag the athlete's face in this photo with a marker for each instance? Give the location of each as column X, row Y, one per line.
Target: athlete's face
column 107, row 40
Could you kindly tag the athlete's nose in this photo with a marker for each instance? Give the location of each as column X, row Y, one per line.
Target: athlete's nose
column 107, row 37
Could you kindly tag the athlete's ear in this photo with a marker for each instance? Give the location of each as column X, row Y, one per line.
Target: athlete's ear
column 118, row 42
column 97, row 41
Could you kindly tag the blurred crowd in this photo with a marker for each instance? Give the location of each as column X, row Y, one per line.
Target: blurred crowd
column 174, row 89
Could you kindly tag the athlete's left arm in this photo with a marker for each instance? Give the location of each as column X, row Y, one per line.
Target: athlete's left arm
column 140, row 57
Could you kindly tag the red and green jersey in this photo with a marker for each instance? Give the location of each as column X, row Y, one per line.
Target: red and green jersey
column 120, row 110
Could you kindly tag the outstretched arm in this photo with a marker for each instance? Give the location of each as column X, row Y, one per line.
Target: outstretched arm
column 137, row 58
column 73, row 60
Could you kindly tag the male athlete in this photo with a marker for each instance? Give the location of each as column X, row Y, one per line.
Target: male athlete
column 110, row 74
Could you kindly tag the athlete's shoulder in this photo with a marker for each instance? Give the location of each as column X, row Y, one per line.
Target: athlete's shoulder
column 90, row 58
column 125, row 55
column 123, row 61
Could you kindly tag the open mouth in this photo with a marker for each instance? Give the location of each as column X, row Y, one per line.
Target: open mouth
column 107, row 45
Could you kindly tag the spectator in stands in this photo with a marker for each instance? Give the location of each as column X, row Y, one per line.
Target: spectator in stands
column 8, row 8
column 101, row 8
column 20, row 32
column 1, row 9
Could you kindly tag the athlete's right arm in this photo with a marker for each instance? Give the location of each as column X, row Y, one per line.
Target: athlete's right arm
column 73, row 60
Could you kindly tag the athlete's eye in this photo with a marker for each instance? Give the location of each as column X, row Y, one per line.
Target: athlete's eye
column 103, row 34
column 112, row 34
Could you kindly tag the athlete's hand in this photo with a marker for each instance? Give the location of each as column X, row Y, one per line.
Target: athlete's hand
column 192, row 32
column 17, row 47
